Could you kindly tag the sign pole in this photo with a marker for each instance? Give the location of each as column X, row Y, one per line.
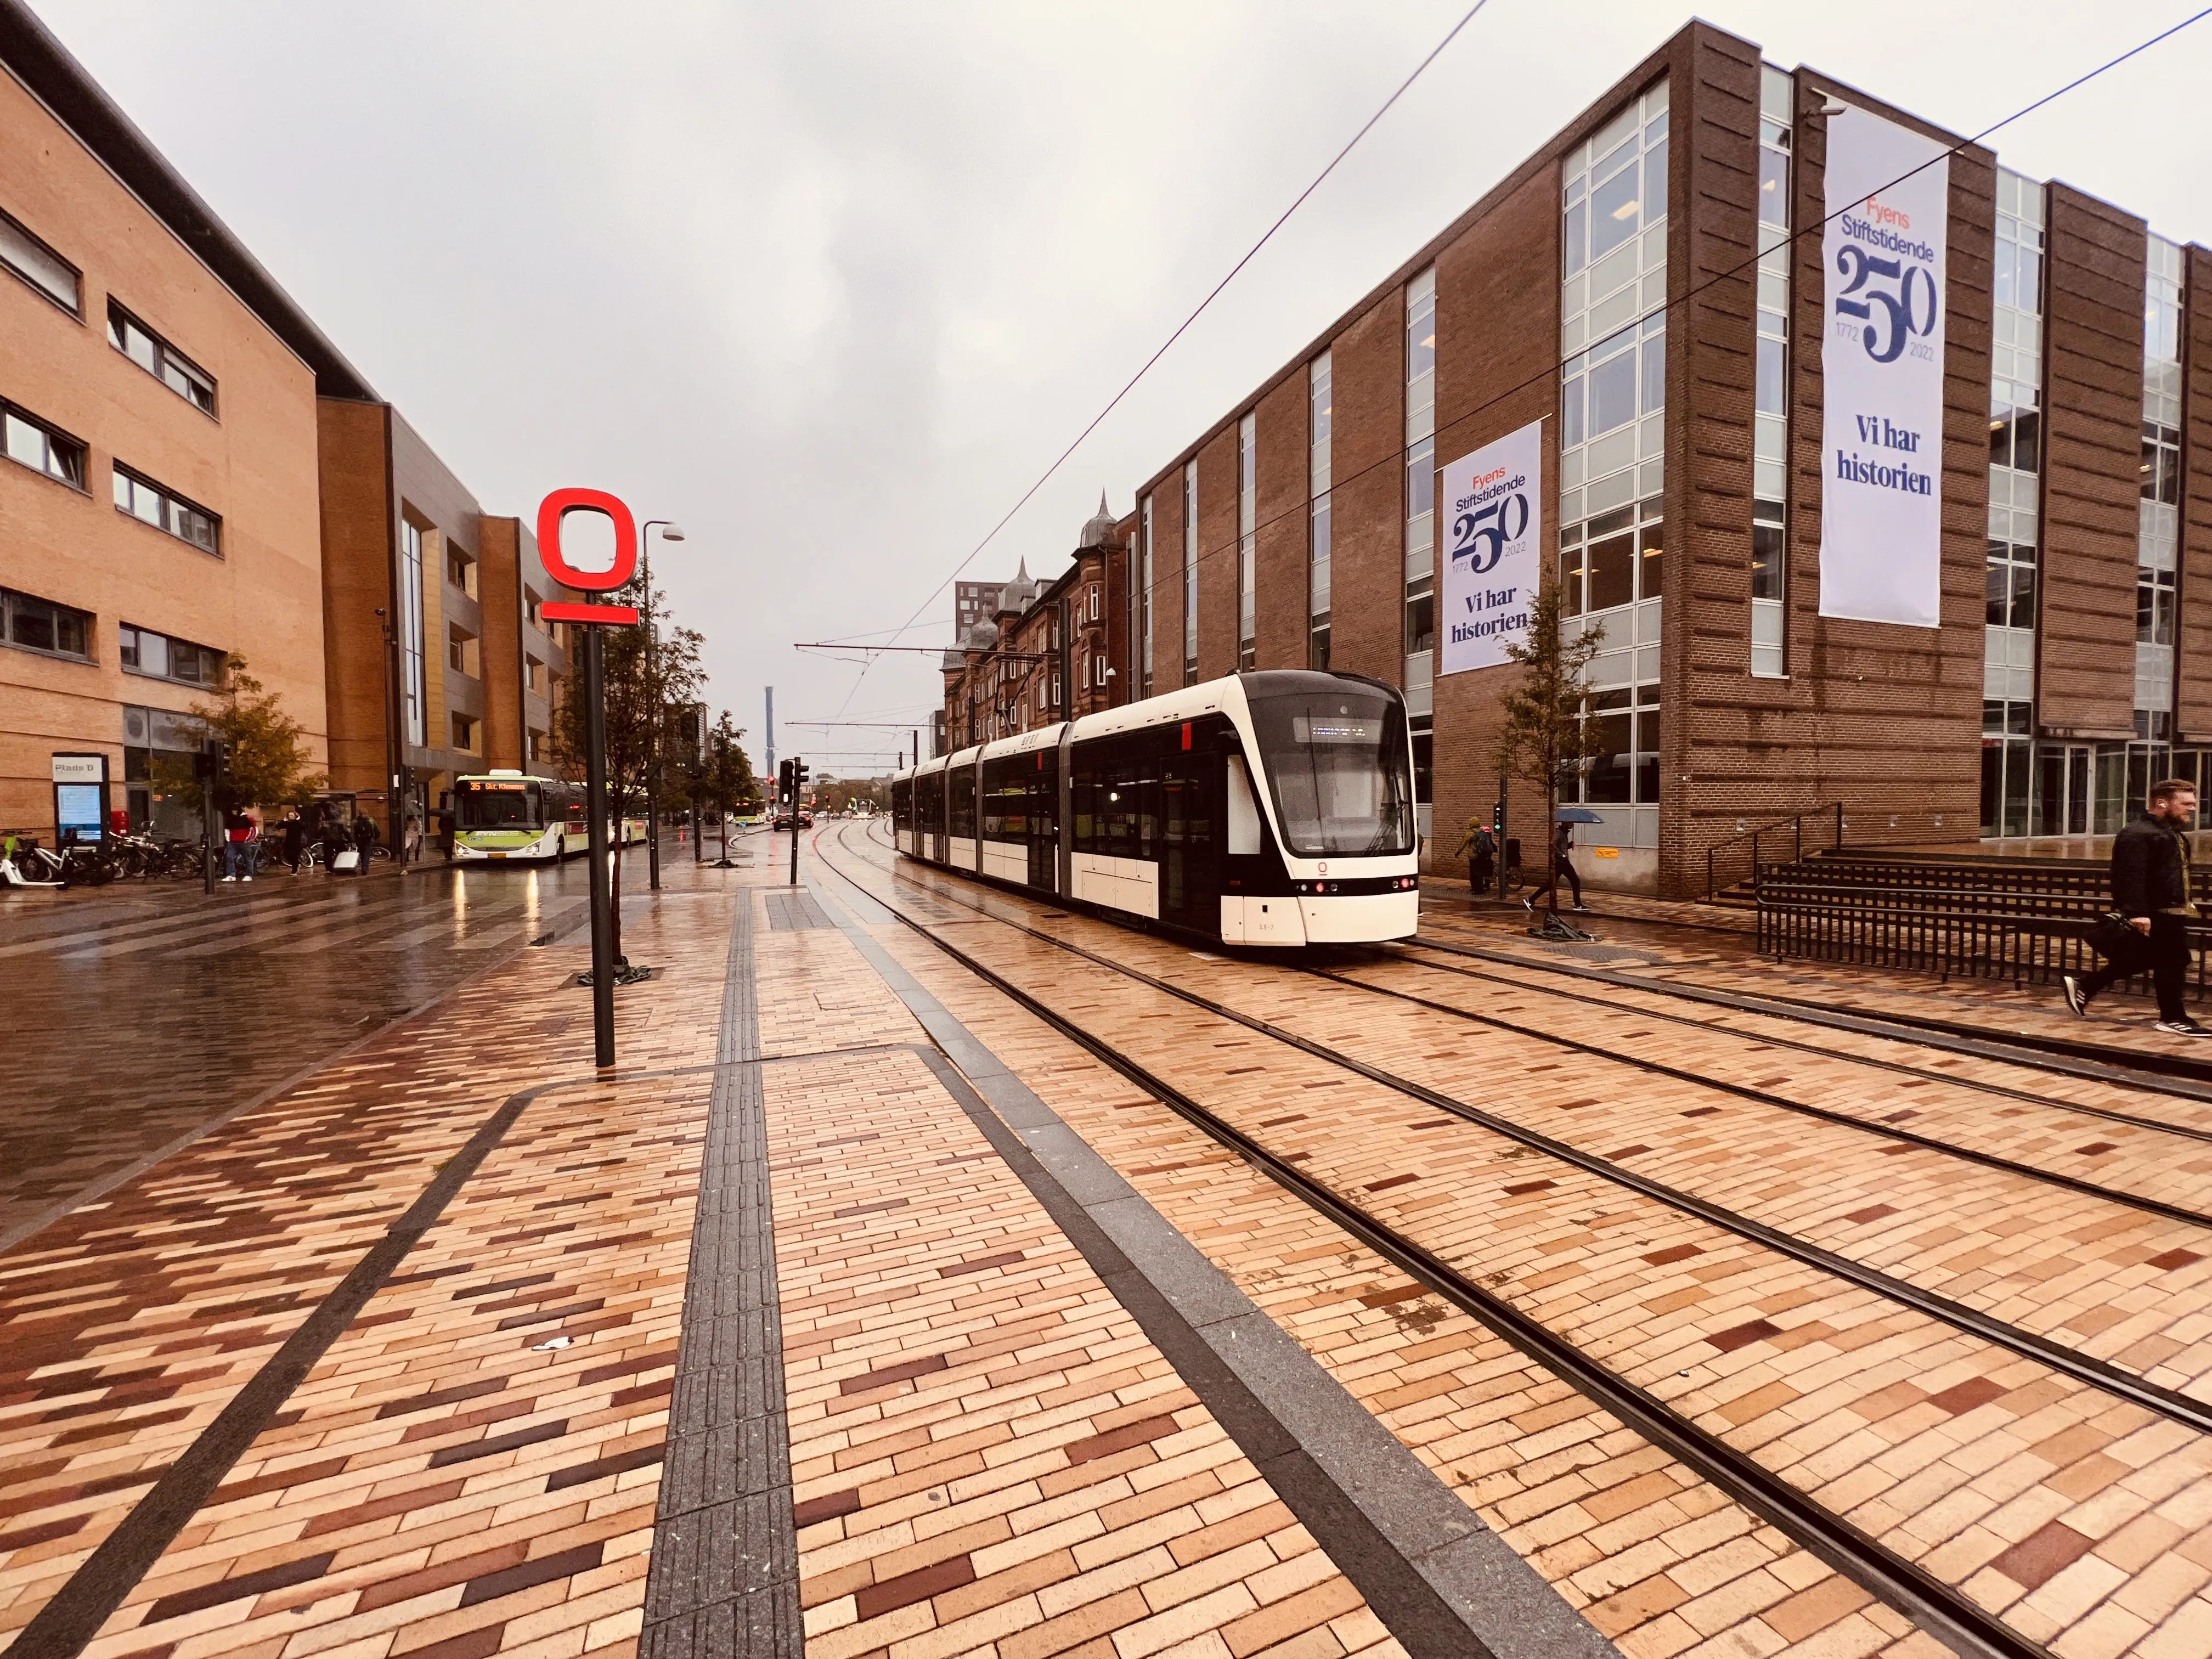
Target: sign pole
column 1503, row 893
column 595, row 774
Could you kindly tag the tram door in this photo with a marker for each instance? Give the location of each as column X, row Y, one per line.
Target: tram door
column 1043, row 823
column 1190, row 810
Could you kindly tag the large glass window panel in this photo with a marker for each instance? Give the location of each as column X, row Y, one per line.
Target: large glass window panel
column 1611, row 563
column 1654, row 351
column 1611, row 393
column 1421, row 478
column 26, row 443
column 1651, row 556
column 39, row 265
column 1614, row 212
column 1771, row 394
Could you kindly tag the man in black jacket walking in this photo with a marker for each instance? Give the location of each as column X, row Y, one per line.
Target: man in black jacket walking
column 2151, row 889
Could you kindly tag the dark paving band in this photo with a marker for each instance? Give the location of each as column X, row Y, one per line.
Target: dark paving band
column 724, row 1574
column 61, row 1629
column 1445, row 1585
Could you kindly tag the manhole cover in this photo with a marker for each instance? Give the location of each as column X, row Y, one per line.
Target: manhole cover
column 1599, row 953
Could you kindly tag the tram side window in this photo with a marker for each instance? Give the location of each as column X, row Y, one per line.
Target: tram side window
column 1006, row 797
column 929, row 803
column 1117, row 788
column 962, row 785
column 902, row 806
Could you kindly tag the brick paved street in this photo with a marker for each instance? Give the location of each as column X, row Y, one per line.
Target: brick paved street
column 862, row 1312
column 224, row 997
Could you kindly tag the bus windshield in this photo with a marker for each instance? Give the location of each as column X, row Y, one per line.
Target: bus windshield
column 1336, row 763
column 499, row 805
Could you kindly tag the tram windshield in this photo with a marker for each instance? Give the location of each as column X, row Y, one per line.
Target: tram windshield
column 496, row 804
column 1336, row 761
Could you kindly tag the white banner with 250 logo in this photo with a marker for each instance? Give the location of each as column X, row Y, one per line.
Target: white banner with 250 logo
column 1881, row 364
column 1494, row 512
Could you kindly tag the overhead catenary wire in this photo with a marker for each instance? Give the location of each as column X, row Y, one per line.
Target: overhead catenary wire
column 1551, row 372
column 1182, row 328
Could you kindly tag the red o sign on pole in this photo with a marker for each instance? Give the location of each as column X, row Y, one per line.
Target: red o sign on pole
column 551, row 513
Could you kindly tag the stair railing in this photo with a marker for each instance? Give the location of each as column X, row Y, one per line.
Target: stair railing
column 1772, row 836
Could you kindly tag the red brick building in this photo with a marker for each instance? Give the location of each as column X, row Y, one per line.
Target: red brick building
column 1649, row 286
column 1047, row 652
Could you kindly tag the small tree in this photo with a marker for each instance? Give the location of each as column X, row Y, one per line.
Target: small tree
column 1545, row 733
column 266, row 763
column 723, row 780
column 646, row 693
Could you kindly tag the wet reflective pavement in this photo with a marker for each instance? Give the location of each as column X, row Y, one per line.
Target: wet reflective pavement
column 138, row 1016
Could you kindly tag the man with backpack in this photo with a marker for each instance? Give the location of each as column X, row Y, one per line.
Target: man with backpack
column 2151, row 892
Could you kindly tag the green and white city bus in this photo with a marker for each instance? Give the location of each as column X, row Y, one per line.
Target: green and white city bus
column 511, row 815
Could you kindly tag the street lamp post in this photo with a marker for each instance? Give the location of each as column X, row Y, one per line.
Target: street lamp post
column 669, row 532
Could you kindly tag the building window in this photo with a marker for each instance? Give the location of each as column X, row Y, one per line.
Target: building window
column 1615, row 559
column 1190, row 573
column 410, row 631
column 1321, row 417
column 461, row 651
column 1144, row 586
column 460, row 570
column 42, row 448
column 533, row 676
column 533, row 748
column 1420, row 497
column 533, row 609
column 1625, row 771
column 37, row 624
column 159, row 359
column 154, row 504
column 1770, row 470
column 1613, row 306
column 2009, row 753
column 40, row 266
column 1248, row 540
column 1094, row 602
column 164, row 657
column 2159, row 519
column 465, row 734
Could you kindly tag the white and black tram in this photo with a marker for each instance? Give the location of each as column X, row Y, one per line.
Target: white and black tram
column 1273, row 807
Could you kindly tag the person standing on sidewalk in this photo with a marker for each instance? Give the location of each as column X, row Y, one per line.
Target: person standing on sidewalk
column 2151, row 889
column 1479, row 849
column 237, row 845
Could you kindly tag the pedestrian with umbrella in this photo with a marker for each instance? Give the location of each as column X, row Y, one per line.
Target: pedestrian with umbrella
column 1562, row 864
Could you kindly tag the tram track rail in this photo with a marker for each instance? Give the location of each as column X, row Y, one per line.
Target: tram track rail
column 2170, row 1074
column 1873, row 1062
column 1941, row 1609
column 2172, row 1403
column 1886, row 1132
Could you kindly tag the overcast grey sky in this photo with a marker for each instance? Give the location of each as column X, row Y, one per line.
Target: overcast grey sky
column 830, row 284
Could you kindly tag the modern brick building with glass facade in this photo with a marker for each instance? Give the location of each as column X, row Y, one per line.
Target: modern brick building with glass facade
column 190, row 472
column 1650, row 287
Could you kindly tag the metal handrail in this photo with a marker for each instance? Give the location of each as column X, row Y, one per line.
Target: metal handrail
column 1794, row 825
column 2026, row 923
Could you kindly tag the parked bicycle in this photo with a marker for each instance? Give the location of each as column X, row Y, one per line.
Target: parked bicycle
column 79, row 864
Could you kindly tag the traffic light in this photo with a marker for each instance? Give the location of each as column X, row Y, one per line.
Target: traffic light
column 783, row 783
column 799, row 776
